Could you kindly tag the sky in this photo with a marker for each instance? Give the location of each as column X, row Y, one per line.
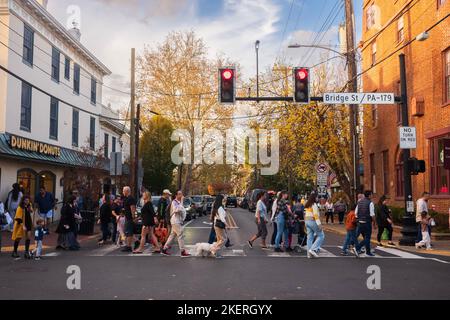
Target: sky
column 110, row 28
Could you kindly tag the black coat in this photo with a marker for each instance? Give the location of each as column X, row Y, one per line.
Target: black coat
column 383, row 215
column 105, row 213
column 67, row 218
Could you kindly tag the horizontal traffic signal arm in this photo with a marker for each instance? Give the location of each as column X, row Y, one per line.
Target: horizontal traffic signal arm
column 290, row 99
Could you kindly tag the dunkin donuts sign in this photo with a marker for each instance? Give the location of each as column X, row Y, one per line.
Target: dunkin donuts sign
column 34, row 146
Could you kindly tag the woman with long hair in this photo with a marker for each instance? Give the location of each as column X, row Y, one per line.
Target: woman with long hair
column 261, row 221
column 149, row 221
column 12, row 201
column 282, row 218
column 313, row 227
column 219, row 216
column 23, row 224
column 384, row 220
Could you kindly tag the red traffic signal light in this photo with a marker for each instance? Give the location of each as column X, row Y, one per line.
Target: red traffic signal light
column 301, row 85
column 227, row 85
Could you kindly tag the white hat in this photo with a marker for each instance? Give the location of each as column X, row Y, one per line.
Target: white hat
column 166, row 191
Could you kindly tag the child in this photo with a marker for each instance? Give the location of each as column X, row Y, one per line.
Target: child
column 121, row 228
column 38, row 237
column 426, row 240
column 350, row 226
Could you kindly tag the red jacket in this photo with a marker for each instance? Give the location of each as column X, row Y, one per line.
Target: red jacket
column 350, row 221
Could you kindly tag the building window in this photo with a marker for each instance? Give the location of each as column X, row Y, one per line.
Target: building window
column 374, row 52
column 76, row 78
column 399, row 176
column 54, row 106
column 439, row 176
column 400, row 30
column 75, row 126
column 92, row 134
column 93, row 91
column 25, row 113
column 113, row 144
column 28, row 45
column 67, row 68
column 386, row 172
column 106, row 145
column 374, row 115
column 26, row 178
column 447, row 76
column 370, row 16
column 373, row 178
column 55, row 64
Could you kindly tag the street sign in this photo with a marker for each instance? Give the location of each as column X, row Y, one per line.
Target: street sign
column 447, row 154
column 321, row 167
column 322, row 191
column 407, row 137
column 322, row 179
column 410, row 206
column 359, row 98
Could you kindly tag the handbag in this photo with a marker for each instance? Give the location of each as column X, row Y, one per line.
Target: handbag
column 432, row 222
column 161, row 233
column 219, row 224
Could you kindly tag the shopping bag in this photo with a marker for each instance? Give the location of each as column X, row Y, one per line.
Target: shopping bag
column 161, row 233
column 385, row 235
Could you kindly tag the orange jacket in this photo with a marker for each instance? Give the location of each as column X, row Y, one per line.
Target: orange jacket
column 350, row 221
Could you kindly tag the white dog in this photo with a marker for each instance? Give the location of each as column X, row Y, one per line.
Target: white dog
column 203, row 249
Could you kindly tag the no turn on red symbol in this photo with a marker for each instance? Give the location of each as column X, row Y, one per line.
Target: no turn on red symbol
column 322, row 167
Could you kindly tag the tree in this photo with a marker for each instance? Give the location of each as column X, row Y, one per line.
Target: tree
column 155, row 149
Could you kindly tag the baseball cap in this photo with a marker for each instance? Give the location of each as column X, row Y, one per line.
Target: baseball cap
column 166, row 191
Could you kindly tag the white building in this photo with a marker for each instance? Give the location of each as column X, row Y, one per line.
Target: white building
column 51, row 113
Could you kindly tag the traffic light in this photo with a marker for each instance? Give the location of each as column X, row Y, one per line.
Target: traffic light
column 301, row 85
column 227, row 85
column 416, row 166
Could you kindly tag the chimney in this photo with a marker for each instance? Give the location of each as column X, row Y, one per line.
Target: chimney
column 43, row 3
column 75, row 31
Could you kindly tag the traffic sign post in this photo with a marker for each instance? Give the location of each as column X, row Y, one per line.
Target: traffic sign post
column 407, row 137
column 322, row 171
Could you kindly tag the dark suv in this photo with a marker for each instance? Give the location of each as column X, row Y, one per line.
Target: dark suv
column 231, row 202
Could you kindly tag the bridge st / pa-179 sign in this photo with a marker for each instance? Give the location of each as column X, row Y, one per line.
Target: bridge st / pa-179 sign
column 359, row 98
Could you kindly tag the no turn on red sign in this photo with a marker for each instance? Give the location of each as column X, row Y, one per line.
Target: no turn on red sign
column 407, row 137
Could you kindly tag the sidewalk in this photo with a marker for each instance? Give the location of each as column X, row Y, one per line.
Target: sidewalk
column 440, row 247
column 49, row 242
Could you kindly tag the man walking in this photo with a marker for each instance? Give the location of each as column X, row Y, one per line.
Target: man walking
column 177, row 216
column 365, row 213
column 421, row 206
column 129, row 205
column 46, row 203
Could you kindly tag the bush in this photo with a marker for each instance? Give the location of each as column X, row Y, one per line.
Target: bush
column 440, row 218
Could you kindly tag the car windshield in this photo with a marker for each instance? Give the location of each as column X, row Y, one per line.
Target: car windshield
column 187, row 202
column 155, row 202
column 197, row 199
column 210, row 200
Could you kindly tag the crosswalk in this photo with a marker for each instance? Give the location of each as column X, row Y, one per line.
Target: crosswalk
column 244, row 251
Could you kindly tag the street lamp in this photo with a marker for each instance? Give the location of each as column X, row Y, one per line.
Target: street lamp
column 296, row 46
column 257, row 68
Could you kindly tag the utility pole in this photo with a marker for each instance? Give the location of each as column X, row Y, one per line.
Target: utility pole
column 133, row 177
column 136, row 150
column 352, row 86
column 409, row 228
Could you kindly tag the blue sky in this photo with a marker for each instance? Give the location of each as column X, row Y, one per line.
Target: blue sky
column 231, row 27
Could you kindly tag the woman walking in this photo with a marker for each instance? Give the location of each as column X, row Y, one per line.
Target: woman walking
column 384, row 220
column 105, row 218
column 313, row 227
column 66, row 227
column 282, row 215
column 330, row 211
column 261, row 221
column 274, row 217
column 219, row 216
column 149, row 221
column 12, row 202
column 22, row 227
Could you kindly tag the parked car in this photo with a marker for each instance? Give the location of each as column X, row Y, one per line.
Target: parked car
column 231, row 202
column 191, row 213
column 207, row 207
column 253, row 200
column 243, row 203
column 198, row 202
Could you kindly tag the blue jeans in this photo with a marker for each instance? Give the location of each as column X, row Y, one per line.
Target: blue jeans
column 313, row 230
column 366, row 230
column 281, row 231
column 349, row 239
column 419, row 232
column 212, row 235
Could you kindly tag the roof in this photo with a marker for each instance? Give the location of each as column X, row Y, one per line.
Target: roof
column 68, row 157
column 65, row 34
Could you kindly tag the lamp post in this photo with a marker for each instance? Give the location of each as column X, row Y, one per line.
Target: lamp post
column 257, row 68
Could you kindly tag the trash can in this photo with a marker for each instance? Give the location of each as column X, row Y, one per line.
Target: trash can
column 88, row 223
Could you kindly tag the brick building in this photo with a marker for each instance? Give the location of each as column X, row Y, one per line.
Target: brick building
column 388, row 25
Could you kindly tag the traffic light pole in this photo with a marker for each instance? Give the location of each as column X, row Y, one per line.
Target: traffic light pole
column 409, row 228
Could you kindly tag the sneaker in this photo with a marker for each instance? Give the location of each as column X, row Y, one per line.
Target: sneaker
column 309, row 255
column 250, row 244
column 27, row 255
column 265, row 248
column 356, row 252
column 185, row 254
column 313, row 253
column 127, row 249
column 37, row 258
column 370, row 254
column 344, row 253
column 218, row 256
column 164, row 252
column 278, row 250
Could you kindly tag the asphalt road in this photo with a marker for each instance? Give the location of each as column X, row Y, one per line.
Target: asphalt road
column 244, row 273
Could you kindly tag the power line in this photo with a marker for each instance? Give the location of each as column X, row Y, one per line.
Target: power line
column 60, row 100
column 48, row 54
column 285, row 28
